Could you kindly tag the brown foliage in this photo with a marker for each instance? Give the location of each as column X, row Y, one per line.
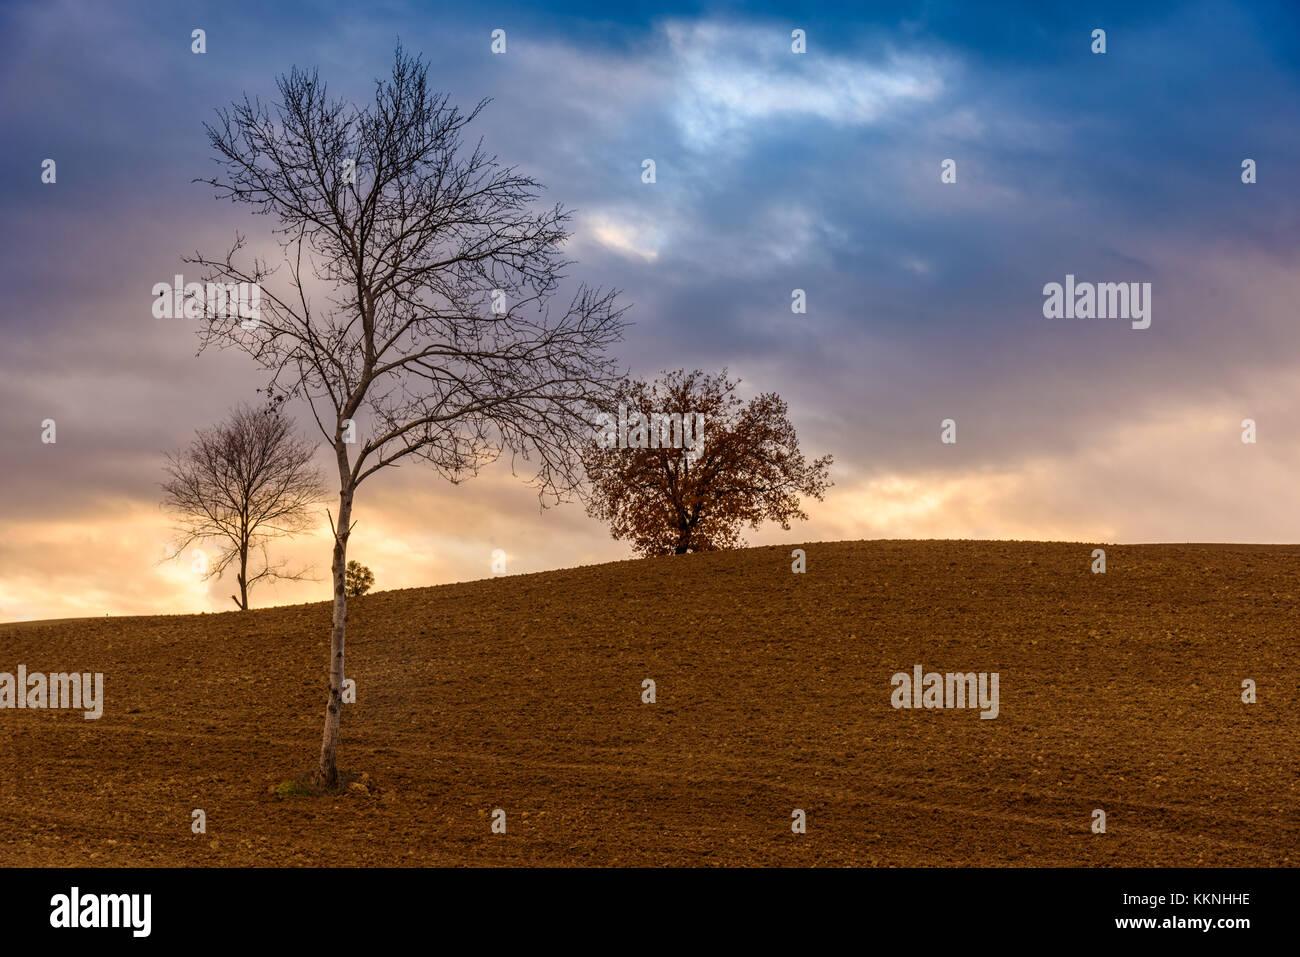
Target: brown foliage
column 747, row 469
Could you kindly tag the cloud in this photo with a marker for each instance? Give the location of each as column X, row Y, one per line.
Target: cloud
column 733, row 77
column 627, row 234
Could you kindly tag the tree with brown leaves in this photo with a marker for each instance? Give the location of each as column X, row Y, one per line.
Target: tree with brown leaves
column 243, row 483
column 681, row 464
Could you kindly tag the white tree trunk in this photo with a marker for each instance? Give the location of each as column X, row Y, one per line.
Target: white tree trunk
column 328, row 772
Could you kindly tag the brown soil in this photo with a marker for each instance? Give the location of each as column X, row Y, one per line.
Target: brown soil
column 1119, row 691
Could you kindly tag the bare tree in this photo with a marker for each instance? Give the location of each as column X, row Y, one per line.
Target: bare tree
column 745, row 466
column 243, row 483
column 417, row 297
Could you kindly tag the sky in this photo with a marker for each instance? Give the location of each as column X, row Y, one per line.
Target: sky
column 775, row 171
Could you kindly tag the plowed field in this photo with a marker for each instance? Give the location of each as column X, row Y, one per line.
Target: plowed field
column 1119, row 691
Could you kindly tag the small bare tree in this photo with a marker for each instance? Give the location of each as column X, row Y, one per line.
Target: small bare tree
column 243, row 483
column 432, row 322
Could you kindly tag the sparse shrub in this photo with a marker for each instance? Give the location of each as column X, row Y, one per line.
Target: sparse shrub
column 359, row 579
column 305, row 785
column 293, row 789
